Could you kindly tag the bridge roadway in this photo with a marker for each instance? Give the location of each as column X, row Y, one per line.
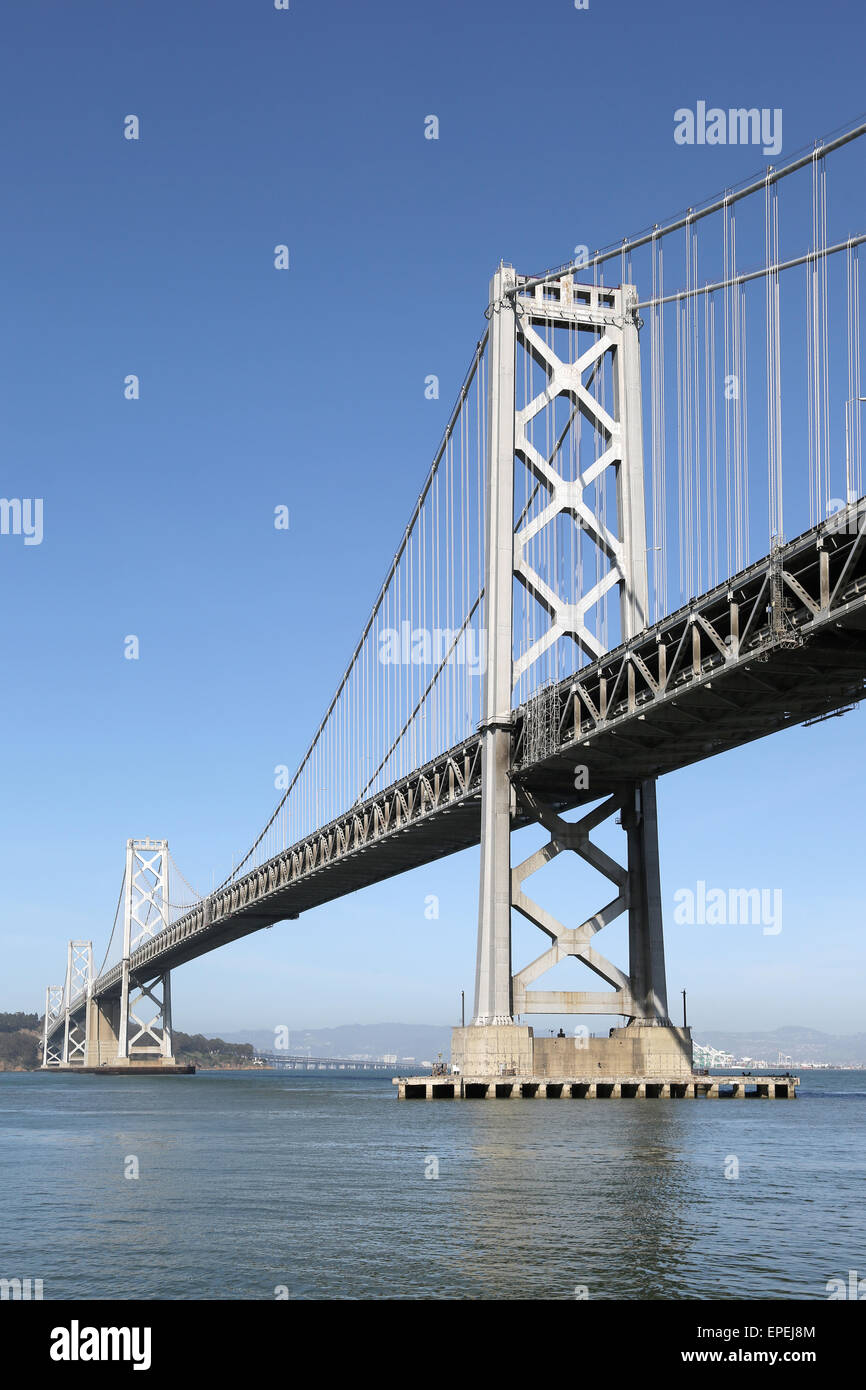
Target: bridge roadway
column 285, row 1061
column 780, row 643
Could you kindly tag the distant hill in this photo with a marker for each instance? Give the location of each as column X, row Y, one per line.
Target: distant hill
column 21, row 1046
column 210, row 1052
column 20, row 1041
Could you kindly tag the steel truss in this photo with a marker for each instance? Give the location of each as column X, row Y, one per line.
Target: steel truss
column 780, row 603
column 447, row 782
column 612, row 315
column 156, row 1030
column 639, row 996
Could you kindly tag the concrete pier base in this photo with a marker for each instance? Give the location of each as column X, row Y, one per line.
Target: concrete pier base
column 166, row 1068
column 691, row 1087
column 644, row 1061
column 638, row 1050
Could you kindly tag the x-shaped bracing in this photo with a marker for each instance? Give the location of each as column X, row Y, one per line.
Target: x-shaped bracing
column 567, row 495
column 571, row 941
column 145, row 1030
column 76, row 1041
column 147, row 897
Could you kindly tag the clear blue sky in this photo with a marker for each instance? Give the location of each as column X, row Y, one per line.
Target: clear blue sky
column 306, row 388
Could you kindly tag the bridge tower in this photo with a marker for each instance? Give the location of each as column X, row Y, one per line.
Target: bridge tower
column 52, row 1048
column 521, row 314
column 79, row 978
column 144, row 1036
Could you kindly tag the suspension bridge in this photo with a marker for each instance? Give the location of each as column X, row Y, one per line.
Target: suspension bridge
column 641, row 542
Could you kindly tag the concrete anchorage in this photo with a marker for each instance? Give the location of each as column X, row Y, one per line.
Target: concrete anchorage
column 495, row 1057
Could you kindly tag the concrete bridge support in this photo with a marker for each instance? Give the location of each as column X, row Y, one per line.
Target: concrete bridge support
column 507, row 1087
column 102, row 1030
